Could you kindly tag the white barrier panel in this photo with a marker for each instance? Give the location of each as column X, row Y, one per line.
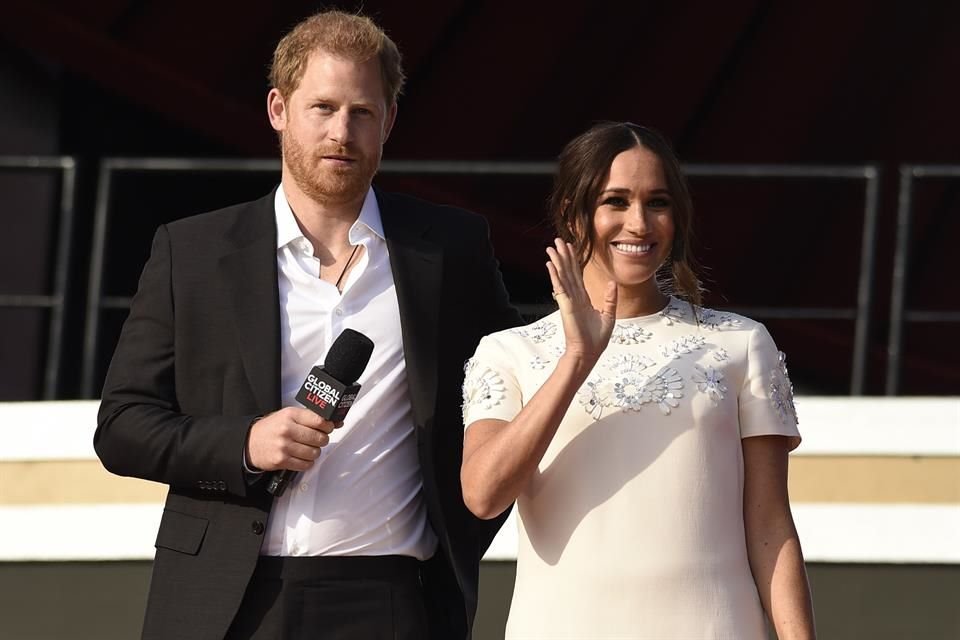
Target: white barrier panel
column 881, row 532
column 862, row 426
column 868, row 426
column 47, row 533
column 47, row 430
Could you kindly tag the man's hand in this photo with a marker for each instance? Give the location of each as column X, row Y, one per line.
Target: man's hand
column 290, row 438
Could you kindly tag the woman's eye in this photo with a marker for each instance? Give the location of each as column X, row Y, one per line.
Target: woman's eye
column 616, row 201
column 659, row 203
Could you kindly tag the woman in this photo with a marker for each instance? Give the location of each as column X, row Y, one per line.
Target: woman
column 643, row 436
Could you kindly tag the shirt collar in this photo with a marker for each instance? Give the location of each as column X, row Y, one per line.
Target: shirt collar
column 288, row 230
column 369, row 217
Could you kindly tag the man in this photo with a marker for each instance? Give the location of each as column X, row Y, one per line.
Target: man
column 233, row 309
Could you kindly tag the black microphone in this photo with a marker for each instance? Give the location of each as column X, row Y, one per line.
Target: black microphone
column 329, row 391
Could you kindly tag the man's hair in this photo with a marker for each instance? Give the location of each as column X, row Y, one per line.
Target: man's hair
column 354, row 37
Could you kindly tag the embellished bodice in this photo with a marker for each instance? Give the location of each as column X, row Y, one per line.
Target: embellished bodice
column 653, row 360
column 641, row 487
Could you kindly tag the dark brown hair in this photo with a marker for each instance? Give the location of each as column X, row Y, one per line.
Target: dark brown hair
column 582, row 172
column 354, row 37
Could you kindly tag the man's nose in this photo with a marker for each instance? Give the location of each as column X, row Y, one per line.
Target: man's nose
column 341, row 127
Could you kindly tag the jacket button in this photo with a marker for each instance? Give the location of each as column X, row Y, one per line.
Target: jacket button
column 257, row 527
column 222, row 485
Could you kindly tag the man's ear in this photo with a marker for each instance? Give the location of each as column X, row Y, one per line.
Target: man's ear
column 276, row 110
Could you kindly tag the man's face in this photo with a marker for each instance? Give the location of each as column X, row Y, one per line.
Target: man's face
column 333, row 127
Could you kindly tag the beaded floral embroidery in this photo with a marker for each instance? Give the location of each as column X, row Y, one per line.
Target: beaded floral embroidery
column 721, row 354
column 628, row 388
column 781, row 392
column 717, row 320
column 538, row 363
column 592, row 398
column 629, row 362
column 482, row 387
column 625, row 333
column 538, row 332
column 710, row 382
column 676, row 310
column 682, row 346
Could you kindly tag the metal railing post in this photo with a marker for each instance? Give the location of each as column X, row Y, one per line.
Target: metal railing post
column 899, row 314
column 55, row 302
column 95, row 283
column 868, row 249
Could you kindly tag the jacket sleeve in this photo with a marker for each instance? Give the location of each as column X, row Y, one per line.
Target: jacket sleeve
column 488, row 282
column 141, row 430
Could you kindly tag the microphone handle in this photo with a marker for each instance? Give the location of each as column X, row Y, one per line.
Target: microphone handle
column 335, row 412
column 279, row 481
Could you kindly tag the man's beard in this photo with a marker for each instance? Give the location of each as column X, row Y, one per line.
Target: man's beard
column 326, row 184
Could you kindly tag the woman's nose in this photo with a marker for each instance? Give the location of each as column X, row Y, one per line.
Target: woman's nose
column 636, row 219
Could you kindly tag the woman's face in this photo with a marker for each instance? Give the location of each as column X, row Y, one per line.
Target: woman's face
column 633, row 223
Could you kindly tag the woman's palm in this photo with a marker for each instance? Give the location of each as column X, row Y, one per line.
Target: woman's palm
column 587, row 330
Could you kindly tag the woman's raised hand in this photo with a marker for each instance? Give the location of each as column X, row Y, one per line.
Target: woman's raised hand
column 587, row 329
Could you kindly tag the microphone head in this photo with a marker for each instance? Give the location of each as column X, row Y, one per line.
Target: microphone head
column 348, row 356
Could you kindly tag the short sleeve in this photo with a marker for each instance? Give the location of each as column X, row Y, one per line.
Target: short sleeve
column 490, row 387
column 766, row 397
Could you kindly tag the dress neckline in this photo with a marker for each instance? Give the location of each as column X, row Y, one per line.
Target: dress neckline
column 673, row 303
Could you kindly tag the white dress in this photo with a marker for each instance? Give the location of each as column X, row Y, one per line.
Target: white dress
column 633, row 525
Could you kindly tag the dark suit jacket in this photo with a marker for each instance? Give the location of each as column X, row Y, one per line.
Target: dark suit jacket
column 199, row 358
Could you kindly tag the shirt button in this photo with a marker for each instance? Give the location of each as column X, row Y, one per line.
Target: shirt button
column 304, row 486
column 257, row 527
column 339, row 311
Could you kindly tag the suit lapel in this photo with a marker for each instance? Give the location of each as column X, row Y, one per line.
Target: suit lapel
column 248, row 274
column 417, row 267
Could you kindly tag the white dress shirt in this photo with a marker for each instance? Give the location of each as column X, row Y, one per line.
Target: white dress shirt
column 363, row 495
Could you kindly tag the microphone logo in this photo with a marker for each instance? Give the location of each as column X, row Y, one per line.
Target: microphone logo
column 327, row 396
column 319, row 394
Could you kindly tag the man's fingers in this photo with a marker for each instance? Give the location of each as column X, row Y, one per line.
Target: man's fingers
column 296, row 464
column 308, row 436
column 303, row 452
column 307, row 418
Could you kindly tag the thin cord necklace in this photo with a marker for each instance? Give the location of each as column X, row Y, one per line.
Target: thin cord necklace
column 349, row 260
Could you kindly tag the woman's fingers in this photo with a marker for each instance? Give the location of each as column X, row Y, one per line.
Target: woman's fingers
column 610, row 300
column 608, row 315
column 567, row 277
column 568, row 273
column 554, row 278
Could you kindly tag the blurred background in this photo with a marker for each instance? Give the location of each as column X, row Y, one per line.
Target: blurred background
column 823, row 149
